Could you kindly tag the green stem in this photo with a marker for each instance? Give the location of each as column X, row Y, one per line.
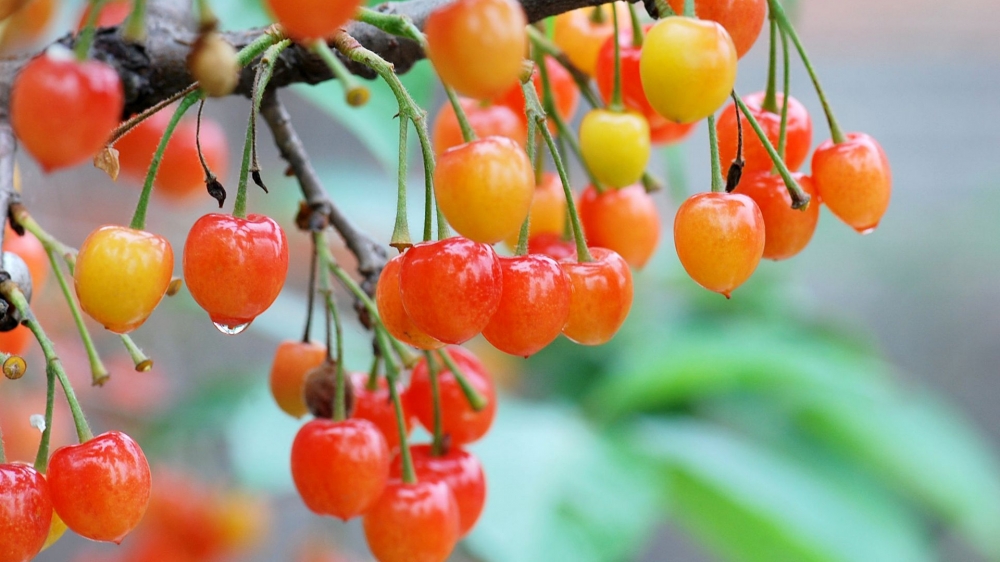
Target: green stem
column 786, row 83
column 443, row 231
column 3, row 454
column 542, row 43
column 665, row 9
column 240, row 206
column 135, row 25
column 205, row 16
column 638, row 34
column 533, row 156
column 99, row 374
column 785, row 23
column 86, row 37
column 799, row 198
column 247, row 54
column 770, row 99
column 139, row 218
column 616, row 92
column 476, row 400
column 372, row 384
column 142, row 362
column 437, row 445
column 401, row 231
column 354, row 92
column 468, row 134
column 340, row 393
column 42, row 458
column 265, row 69
column 409, row 475
column 401, row 26
column 713, row 144
column 689, row 9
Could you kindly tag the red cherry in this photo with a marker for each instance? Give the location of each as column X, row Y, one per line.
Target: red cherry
column 565, row 92
column 292, row 362
column 390, row 307
column 533, row 308
column 663, row 132
column 743, row 19
column 602, row 296
column 16, row 341
column 451, row 288
column 457, row 468
column 413, row 523
column 33, row 254
column 719, row 239
column 100, row 488
column 89, row 98
column 112, row 13
column 458, row 420
column 548, row 209
column 551, row 245
column 486, row 120
column 854, row 180
column 340, row 468
column 235, row 267
column 624, row 220
column 786, row 230
column 799, row 134
column 376, row 406
column 25, row 512
column 312, row 19
column 633, row 96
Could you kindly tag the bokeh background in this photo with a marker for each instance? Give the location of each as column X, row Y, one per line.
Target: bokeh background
column 841, row 407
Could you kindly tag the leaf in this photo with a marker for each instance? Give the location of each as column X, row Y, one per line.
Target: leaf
column 237, row 15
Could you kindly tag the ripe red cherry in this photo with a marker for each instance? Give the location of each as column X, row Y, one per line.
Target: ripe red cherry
column 413, row 523
column 486, row 120
column 633, row 96
column 112, row 13
column 663, row 132
column 477, row 46
column 797, row 145
column 854, row 180
column 292, row 361
column 624, row 220
column 235, row 267
column 100, row 488
column 459, row 421
column 787, row 231
column 565, row 92
column 33, row 254
column 16, row 341
column 457, row 468
column 719, row 239
column 552, row 245
column 89, row 99
column 376, row 406
column 390, row 308
column 313, row 19
column 602, row 296
column 484, row 188
column 25, row 512
column 340, row 468
column 743, row 19
column 451, row 288
column 533, row 308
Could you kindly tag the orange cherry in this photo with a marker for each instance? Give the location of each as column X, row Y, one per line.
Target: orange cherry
column 854, row 180
column 787, row 231
column 602, row 296
column 624, row 220
column 486, row 120
column 743, row 19
column 394, row 316
column 292, row 362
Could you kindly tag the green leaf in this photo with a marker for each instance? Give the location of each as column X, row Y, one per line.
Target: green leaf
column 237, row 15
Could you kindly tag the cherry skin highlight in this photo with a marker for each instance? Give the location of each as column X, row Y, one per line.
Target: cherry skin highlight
column 533, row 308
column 340, row 468
column 486, row 120
column 451, row 288
column 601, row 296
column 552, row 245
column 787, row 231
column 797, row 143
column 389, row 301
column 25, row 512
column 100, row 488
column 743, row 19
column 457, row 468
column 624, row 220
column 413, row 523
column 719, row 239
column 459, row 421
column 292, row 361
column 854, row 180
column 376, row 406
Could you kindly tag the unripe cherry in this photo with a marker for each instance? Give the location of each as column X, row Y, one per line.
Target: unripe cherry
column 212, row 62
column 615, row 145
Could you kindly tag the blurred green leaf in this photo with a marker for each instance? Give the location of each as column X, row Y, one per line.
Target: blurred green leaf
column 240, row 14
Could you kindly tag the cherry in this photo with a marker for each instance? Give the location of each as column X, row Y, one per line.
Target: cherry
column 854, row 180
column 459, row 421
column 565, row 92
column 313, row 19
column 375, row 405
column 787, row 231
column 798, row 139
column 121, row 275
column 56, row 530
column 28, row 24
column 484, row 188
column 533, row 308
column 548, row 209
column 719, row 239
column 552, row 245
column 477, row 46
column 21, row 440
column 235, row 267
column 416, row 522
column 25, row 512
column 623, row 220
column 580, row 37
column 450, row 288
column 615, row 145
column 688, row 68
column 16, row 341
column 390, row 307
column 457, row 468
column 113, row 12
column 633, row 96
column 100, row 488
column 90, row 100
column 33, row 254
column 292, row 361
column 486, row 120
column 602, row 296
column 663, row 132
column 743, row 19
column 340, row 468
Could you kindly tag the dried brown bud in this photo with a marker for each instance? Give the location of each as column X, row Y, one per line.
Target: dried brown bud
column 213, row 64
column 107, row 161
column 320, row 389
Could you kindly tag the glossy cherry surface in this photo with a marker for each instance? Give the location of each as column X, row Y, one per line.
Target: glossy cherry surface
column 375, row 405
column 451, row 288
column 615, row 145
column 799, row 134
column 457, row 468
column 719, row 239
column 235, row 268
column 121, row 275
column 602, row 296
column 413, row 523
column 313, row 19
column 340, row 468
column 534, row 306
column 459, row 421
column 100, row 488
column 25, row 512
column 624, row 220
column 390, row 308
column 292, row 361
column 743, row 19
column 854, row 180
column 787, row 231
column 112, row 13
column 486, row 120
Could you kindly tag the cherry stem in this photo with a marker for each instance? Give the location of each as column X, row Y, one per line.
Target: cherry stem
column 86, row 37
column 542, row 43
column 409, row 475
column 569, row 137
column 689, row 9
column 401, row 231
column 42, row 457
column 616, row 92
column 713, row 142
column 99, row 374
column 476, row 400
column 3, row 454
column 597, row 14
column 133, row 121
column 786, row 24
column 355, row 93
column 638, row 34
column 311, row 292
column 12, row 293
column 786, row 83
column 770, row 99
column 664, row 9
column 209, row 175
column 393, row 24
column 139, row 218
column 468, row 134
column 206, row 18
column 135, row 25
column 437, row 445
column 800, row 200
column 372, row 384
column 240, row 206
column 340, row 393
column 533, row 155
column 142, row 362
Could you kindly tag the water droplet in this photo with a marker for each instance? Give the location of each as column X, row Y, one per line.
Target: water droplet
column 869, row 230
column 231, row 330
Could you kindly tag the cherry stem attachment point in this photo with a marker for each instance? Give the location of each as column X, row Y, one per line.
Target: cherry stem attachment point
column 638, row 34
column 664, row 9
column 135, row 25
column 800, row 199
column 143, row 364
column 355, row 93
column 86, row 37
column 476, row 400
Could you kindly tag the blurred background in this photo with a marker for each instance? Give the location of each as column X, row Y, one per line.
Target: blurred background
column 841, row 407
